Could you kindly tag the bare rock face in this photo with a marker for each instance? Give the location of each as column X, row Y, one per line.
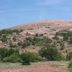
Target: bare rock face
column 46, row 28
column 2, row 45
column 48, row 23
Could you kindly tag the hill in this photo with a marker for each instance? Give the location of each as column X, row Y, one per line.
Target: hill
column 23, row 36
column 49, row 40
column 48, row 23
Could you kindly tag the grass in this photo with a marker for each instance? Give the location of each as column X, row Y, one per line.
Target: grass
column 10, row 65
column 70, row 69
column 19, row 65
column 70, row 66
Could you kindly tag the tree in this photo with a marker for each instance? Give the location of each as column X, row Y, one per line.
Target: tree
column 12, row 58
column 25, row 59
column 51, row 54
column 3, row 53
column 34, row 57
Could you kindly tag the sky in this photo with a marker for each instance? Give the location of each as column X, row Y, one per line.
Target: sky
column 16, row 12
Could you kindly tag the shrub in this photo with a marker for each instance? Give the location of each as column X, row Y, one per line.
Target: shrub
column 35, row 57
column 69, row 56
column 5, row 52
column 36, row 40
column 12, row 51
column 51, row 54
column 13, row 58
column 25, row 59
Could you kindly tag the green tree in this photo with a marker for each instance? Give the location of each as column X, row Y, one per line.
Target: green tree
column 25, row 59
column 12, row 58
column 3, row 53
column 51, row 54
column 34, row 57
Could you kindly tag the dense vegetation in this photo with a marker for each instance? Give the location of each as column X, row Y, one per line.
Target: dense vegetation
column 27, row 58
column 7, row 54
column 13, row 55
column 51, row 54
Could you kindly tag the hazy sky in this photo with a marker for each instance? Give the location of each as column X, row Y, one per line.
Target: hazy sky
column 15, row 12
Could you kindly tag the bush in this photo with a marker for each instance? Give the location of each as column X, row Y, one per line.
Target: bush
column 69, row 56
column 12, row 51
column 35, row 57
column 13, row 58
column 51, row 54
column 25, row 59
column 5, row 52
column 36, row 40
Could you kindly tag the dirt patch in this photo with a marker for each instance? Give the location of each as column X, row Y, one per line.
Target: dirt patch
column 40, row 67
